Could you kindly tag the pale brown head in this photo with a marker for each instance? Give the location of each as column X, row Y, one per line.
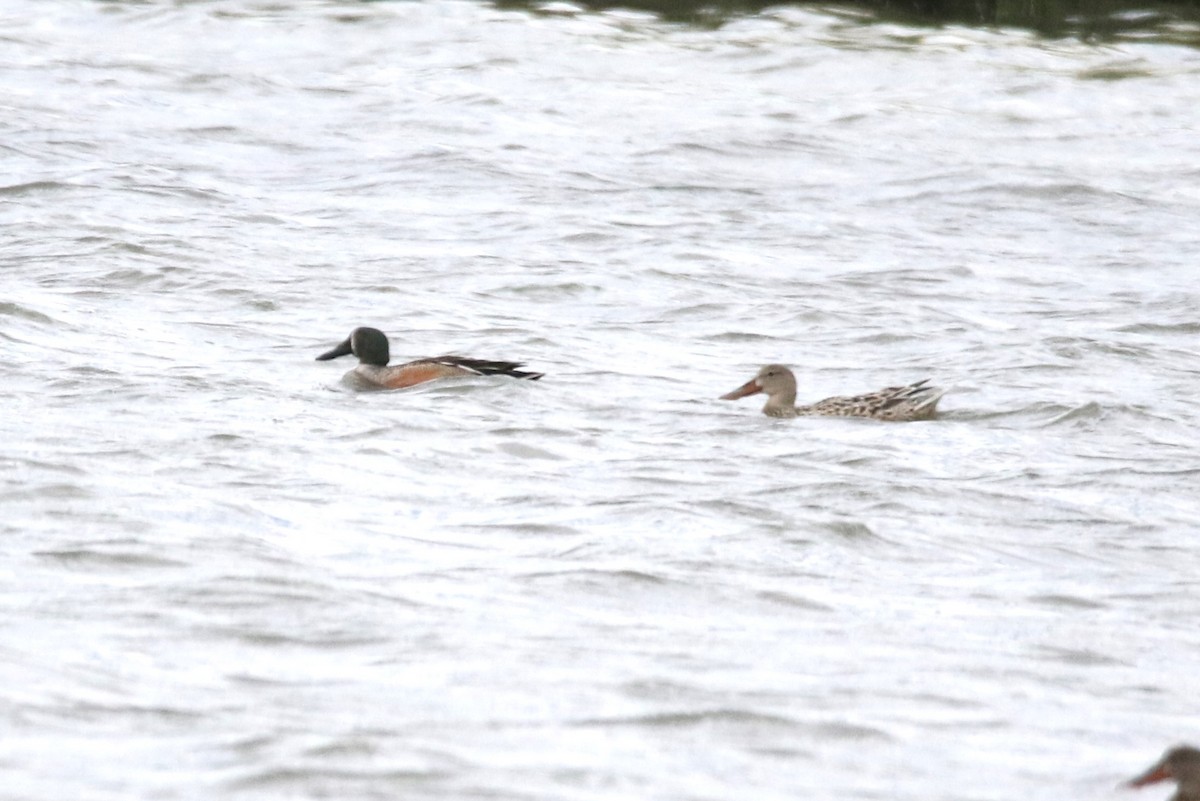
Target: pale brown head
column 1182, row 764
column 777, row 383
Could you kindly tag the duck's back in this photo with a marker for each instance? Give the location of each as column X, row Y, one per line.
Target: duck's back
column 896, row 404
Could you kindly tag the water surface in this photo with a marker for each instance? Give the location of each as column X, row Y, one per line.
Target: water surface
column 226, row 575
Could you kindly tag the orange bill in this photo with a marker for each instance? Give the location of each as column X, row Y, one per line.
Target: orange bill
column 1158, row 773
column 751, row 387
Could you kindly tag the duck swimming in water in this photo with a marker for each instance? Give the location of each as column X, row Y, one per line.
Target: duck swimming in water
column 913, row 402
column 370, row 345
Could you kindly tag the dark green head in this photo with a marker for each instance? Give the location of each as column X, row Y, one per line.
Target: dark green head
column 370, row 345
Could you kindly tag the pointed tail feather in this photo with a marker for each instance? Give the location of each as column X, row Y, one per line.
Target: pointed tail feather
column 914, row 402
column 489, row 367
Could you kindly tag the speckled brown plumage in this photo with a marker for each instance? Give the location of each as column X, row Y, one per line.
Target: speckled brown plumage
column 912, row 402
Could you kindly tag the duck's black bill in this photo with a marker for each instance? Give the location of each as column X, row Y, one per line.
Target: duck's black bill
column 343, row 349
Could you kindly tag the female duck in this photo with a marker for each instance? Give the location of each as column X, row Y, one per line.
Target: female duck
column 1181, row 764
column 913, row 402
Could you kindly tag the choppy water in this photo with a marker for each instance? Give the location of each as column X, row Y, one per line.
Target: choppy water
column 227, row 576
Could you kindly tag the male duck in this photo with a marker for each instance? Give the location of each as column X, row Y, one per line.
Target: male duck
column 914, row 402
column 370, row 345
